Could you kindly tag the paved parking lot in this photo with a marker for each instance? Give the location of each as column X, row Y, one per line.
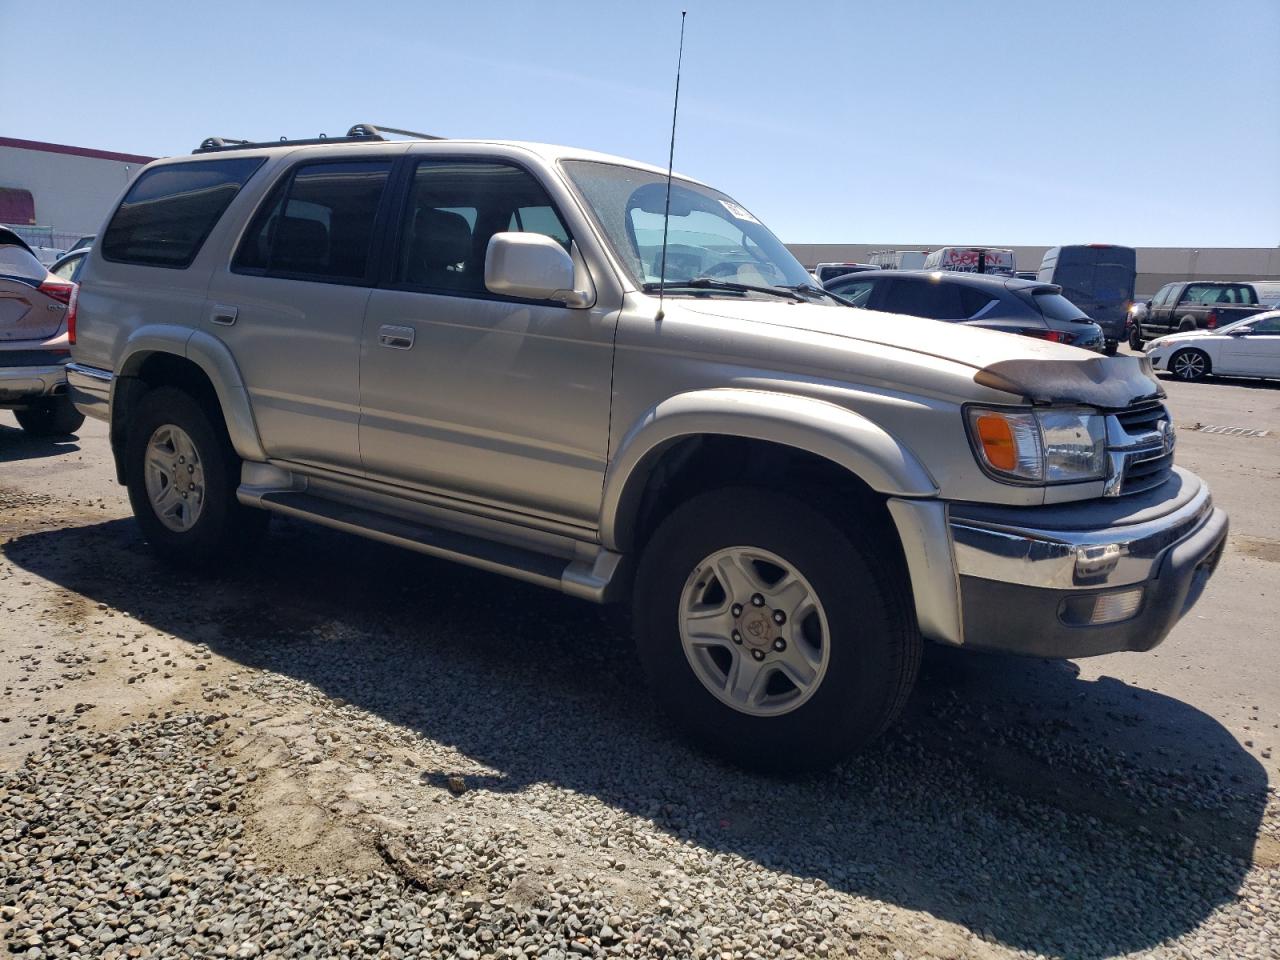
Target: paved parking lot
column 343, row 749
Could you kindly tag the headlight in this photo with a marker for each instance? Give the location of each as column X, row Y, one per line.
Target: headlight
column 1040, row 446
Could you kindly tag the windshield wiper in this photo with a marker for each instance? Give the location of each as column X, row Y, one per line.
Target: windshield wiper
column 809, row 288
column 711, row 283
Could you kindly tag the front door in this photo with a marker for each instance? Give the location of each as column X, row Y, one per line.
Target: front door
column 291, row 308
column 1256, row 353
column 475, row 396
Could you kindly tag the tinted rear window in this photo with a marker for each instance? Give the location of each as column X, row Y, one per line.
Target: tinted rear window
column 1057, row 307
column 168, row 212
column 16, row 261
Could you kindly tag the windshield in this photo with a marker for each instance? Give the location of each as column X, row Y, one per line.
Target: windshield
column 709, row 235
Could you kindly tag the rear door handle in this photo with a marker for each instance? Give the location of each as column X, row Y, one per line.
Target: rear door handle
column 397, row 338
column 224, row 315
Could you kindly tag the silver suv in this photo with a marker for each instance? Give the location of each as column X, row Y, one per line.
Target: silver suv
column 467, row 348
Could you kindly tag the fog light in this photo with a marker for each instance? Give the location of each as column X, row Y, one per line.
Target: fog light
column 1099, row 608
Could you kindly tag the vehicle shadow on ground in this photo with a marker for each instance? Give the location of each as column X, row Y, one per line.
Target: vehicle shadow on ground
column 16, row 444
column 1251, row 382
column 961, row 810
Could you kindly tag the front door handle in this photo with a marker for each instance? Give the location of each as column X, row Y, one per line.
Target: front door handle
column 224, row 315
column 397, row 338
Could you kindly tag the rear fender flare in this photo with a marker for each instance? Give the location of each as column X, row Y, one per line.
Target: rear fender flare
column 211, row 356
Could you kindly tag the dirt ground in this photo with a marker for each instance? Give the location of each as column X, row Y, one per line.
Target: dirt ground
column 369, row 697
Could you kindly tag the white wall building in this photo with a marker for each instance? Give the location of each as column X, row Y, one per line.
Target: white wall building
column 67, row 189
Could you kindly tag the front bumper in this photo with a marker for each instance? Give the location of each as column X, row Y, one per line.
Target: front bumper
column 1087, row 578
column 20, row 385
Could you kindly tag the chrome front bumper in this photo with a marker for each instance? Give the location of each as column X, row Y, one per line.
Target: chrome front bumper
column 1067, row 580
column 18, row 384
column 90, row 390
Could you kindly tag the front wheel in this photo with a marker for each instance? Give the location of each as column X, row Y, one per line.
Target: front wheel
column 1189, row 365
column 1135, row 338
column 774, row 637
column 182, row 478
column 52, row 417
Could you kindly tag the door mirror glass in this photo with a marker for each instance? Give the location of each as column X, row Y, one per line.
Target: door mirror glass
column 530, row 266
column 1241, row 331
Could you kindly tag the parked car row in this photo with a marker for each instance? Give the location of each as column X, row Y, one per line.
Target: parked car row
column 1195, row 305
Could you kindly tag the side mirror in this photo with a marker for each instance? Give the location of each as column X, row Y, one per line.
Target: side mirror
column 1242, row 331
column 533, row 267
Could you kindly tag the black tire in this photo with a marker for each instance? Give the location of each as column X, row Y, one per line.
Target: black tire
column 225, row 528
column 875, row 645
column 54, row 417
column 1186, row 324
column 1109, row 347
column 1190, row 365
column 1135, row 339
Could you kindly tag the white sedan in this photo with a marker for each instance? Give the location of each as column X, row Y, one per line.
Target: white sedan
column 1246, row 348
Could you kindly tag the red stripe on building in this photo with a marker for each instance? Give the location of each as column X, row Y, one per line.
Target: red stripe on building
column 73, row 151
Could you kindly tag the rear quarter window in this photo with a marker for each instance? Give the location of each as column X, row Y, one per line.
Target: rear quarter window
column 1057, row 307
column 167, row 214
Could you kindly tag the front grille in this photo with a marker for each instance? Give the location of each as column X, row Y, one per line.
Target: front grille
column 1140, row 444
column 1140, row 420
column 1143, row 474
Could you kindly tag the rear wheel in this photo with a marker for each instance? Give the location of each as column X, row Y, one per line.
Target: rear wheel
column 1186, row 324
column 1109, row 347
column 775, row 638
column 1189, row 364
column 51, row 417
column 182, row 479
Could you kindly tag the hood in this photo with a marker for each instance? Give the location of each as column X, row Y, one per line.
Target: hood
column 1035, row 370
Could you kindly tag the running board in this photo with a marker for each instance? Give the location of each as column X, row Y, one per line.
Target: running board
column 585, row 577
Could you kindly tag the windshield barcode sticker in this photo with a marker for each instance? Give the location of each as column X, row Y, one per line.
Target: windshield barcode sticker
column 737, row 212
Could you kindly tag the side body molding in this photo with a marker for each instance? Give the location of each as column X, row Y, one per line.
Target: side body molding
column 211, row 356
column 821, row 428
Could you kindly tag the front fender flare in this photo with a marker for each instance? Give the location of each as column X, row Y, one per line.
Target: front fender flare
column 816, row 426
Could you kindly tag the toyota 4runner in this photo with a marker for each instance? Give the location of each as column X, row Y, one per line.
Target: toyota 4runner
column 481, row 350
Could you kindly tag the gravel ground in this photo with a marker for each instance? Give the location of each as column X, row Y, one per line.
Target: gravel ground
column 336, row 751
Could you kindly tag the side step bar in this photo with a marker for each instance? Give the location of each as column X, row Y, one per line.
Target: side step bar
column 587, row 578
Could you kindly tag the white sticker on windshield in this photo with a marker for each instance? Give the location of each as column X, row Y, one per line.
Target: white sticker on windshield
column 737, row 212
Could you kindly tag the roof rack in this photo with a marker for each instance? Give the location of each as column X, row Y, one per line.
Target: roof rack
column 359, row 133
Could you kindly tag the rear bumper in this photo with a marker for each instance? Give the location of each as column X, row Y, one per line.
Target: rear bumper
column 90, row 390
column 22, row 384
column 1072, row 589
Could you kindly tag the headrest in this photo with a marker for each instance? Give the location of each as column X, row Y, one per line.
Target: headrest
column 442, row 237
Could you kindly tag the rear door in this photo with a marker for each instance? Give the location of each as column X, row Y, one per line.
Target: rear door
column 920, row 297
column 291, row 305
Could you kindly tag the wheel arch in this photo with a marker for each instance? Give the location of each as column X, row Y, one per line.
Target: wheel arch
column 728, row 429
column 192, row 361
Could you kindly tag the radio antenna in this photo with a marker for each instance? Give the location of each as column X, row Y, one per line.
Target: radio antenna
column 671, row 159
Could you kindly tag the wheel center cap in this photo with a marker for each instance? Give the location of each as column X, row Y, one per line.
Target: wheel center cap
column 757, row 628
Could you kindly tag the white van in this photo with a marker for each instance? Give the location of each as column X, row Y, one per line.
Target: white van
column 899, row 259
column 971, row 260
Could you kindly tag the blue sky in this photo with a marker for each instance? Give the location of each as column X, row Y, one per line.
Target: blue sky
column 1146, row 123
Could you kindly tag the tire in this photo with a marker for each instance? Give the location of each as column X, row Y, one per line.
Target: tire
column 867, row 648
column 1186, row 324
column 210, row 525
column 1135, row 339
column 54, row 417
column 1109, row 347
column 1190, row 365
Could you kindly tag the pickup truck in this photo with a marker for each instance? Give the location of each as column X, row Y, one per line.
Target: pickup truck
column 1195, row 305
column 477, row 350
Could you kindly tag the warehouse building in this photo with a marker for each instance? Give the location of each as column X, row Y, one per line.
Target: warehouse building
column 54, row 193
